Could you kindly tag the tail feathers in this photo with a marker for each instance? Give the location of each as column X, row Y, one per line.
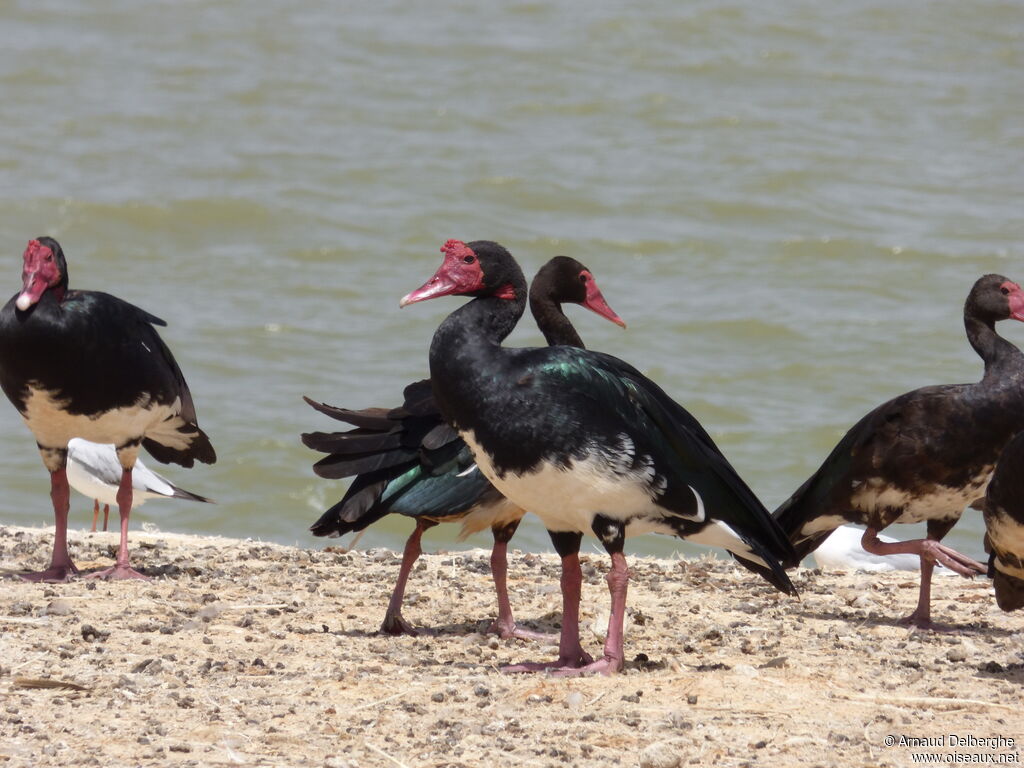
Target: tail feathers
column 418, row 399
column 440, row 436
column 369, row 418
column 795, row 513
column 430, row 485
column 805, row 547
column 337, row 466
column 199, row 448
column 352, row 442
column 359, row 507
column 181, row 493
column 771, row 570
column 350, row 514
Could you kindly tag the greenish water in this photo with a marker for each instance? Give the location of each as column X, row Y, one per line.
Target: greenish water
column 787, row 202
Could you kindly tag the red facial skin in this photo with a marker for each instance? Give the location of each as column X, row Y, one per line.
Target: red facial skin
column 39, row 273
column 595, row 301
column 459, row 273
column 1016, row 299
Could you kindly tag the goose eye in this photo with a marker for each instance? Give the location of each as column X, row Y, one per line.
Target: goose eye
column 583, row 277
column 467, row 259
column 1005, row 290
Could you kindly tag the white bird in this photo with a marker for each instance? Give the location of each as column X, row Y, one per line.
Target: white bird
column 842, row 552
column 94, row 471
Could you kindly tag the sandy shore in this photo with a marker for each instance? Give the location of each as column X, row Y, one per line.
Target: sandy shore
column 245, row 653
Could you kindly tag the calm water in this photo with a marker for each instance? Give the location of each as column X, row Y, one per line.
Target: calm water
column 788, row 202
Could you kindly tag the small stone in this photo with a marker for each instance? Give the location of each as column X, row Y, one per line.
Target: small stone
column 209, row 612
column 956, row 654
column 862, row 601
column 746, row 670
column 91, row 634
column 574, row 700
column 660, row 754
column 678, row 720
column 59, row 607
column 402, row 659
column 482, row 690
column 437, row 697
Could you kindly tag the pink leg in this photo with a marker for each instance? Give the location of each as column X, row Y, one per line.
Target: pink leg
column 106, row 515
column 505, row 626
column 61, row 568
column 570, row 653
column 930, row 552
column 121, row 569
column 95, row 514
column 922, row 615
column 614, row 655
column 394, row 623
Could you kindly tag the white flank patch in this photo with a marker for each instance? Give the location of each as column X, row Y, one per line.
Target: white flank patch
column 485, row 517
column 719, row 534
column 567, row 500
column 53, row 427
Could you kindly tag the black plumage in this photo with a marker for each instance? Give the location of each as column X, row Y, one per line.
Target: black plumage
column 87, row 364
column 1004, row 526
column 922, row 456
column 409, row 461
column 583, row 440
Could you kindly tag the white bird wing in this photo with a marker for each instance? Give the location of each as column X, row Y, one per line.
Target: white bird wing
column 97, row 459
column 145, row 479
column 100, row 462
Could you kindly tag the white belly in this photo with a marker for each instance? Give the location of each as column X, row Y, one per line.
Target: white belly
column 567, row 499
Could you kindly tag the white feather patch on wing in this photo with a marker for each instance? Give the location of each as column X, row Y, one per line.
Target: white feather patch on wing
column 719, row 534
column 942, row 502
